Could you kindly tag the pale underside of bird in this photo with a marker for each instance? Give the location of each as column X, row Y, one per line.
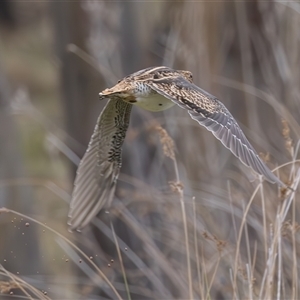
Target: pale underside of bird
column 154, row 89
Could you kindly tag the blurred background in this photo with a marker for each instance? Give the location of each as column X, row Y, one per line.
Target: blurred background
column 219, row 234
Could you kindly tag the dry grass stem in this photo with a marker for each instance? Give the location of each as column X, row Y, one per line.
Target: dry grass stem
column 102, row 275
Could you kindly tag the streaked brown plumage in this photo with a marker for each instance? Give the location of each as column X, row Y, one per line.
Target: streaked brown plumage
column 154, row 89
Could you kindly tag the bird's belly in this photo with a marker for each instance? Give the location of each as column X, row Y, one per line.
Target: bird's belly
column 154, row 102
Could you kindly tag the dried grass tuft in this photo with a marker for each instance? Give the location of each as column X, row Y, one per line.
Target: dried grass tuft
column 166, row 142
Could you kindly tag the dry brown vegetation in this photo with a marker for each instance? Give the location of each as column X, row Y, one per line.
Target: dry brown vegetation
column 188, row 220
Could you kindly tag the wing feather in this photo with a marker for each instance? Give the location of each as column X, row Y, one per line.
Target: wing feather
column 99, row 168
column 209, row 112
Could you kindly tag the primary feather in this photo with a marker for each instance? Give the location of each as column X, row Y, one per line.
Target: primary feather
column 99, row 168
column 209, row 112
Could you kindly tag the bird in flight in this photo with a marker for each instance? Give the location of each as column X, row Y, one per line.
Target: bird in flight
column 153, row 89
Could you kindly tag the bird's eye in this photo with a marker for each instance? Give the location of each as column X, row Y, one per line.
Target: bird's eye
column 155, row 76
column 119, row 81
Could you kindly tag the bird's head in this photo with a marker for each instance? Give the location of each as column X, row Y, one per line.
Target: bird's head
column 122, row 89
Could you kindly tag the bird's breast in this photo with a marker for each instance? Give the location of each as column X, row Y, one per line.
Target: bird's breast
column 153, row 101
column 148, row 99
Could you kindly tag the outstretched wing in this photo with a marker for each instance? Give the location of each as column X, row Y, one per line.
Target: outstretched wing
column 100, row 166
column 208, row 111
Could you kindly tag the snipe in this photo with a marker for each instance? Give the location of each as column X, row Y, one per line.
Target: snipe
column 153, row 89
